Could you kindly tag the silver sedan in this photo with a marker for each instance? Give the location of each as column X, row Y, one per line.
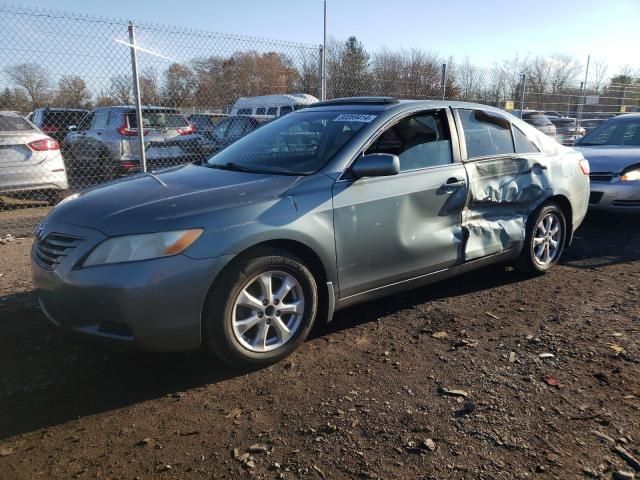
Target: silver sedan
column 30, row 161
column 613, row 151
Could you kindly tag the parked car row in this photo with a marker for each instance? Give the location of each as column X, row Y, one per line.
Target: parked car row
column 92, row 147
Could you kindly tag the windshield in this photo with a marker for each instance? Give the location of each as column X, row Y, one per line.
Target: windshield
column 614, row 133
column 296, row 144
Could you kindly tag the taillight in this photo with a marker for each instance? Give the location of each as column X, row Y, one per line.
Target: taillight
column 49, row 128
column 192, row 128
column 44, row 145
column 129, row 132
column 584, row 166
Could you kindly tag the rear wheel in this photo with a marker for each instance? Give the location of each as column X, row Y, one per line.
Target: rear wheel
column 545, row 239
column 261, row 309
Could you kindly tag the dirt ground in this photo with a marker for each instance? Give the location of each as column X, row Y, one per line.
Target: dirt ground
column 367, row 397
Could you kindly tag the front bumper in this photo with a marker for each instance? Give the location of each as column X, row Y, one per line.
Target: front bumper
column 615, row 196
column 155, row 304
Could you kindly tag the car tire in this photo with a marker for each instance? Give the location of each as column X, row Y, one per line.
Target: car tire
column 249, row 328
column 544, row 240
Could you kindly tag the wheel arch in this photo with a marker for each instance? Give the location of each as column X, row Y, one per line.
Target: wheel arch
column 310, row 258
column 565, row 205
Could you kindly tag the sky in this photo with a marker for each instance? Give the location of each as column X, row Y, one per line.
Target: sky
column 484, row 30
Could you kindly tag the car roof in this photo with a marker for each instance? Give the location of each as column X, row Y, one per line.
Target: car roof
column 133, row 107
column 380, row 104
column 62, row 109
column 624, row 117
column 9, row 113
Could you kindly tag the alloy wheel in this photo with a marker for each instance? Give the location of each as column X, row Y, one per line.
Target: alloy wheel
column 268, row 311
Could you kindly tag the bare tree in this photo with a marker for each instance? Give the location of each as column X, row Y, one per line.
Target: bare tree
column 121, row 90
column 72, row 92
column 15, row 99
column 33, row 79
column 149, row 87
column 389, row 73
column 599, row 75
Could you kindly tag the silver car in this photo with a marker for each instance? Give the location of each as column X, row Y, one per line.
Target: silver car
column 30, row 161
column 342, row 202
column 613, row 150
column 106, row 143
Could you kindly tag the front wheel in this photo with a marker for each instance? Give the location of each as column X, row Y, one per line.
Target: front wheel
column 261, row 309
column 544, row 240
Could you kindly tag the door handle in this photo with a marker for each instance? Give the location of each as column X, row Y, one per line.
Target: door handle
column 453, row 182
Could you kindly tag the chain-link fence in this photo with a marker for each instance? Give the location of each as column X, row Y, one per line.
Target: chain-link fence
column 85, row 100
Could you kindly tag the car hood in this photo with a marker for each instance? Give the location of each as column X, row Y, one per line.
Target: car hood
column 610, row 158
column 176, row 198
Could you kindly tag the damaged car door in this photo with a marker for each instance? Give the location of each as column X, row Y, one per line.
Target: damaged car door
column 397, row 227
column 507, row 178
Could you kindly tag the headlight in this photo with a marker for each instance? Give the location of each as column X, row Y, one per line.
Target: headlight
column 132, row 248
column 631, row 175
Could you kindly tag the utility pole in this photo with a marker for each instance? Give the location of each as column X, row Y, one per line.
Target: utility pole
column 323, row 79
column 583, row 94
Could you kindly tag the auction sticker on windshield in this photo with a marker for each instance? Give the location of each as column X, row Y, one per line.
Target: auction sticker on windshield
column 354, row 117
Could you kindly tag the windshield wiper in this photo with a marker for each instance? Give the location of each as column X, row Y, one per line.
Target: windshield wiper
column 234, row 167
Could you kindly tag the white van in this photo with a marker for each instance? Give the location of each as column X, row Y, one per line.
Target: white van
column 272, row 105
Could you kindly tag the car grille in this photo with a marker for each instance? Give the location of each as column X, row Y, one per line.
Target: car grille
column 53, row 248
column 626, row 203
column 601, row 176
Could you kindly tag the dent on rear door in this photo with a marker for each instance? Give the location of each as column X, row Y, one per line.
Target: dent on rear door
column 502, row 192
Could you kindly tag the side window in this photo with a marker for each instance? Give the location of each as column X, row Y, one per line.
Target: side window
column 285, row 110
column 486, row 133
column 244, row 111
column 101, row 120
column 86, row 122
column 261, row 111
column 420, row 141
column 272, row 110
column 116, row 119
column 523, row 144
column 235, row 129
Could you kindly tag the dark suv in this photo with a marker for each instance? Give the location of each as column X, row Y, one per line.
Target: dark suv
column 107, row 143
column 55, row 122
column 229, row 130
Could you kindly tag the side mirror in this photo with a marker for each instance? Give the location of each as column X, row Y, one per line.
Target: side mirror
column 376, row 165
column 72, row 128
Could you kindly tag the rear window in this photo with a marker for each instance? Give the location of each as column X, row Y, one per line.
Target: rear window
column 201, row 121
column 158, row 119
column 14, row 124
column 537, row 119
column 61, row 119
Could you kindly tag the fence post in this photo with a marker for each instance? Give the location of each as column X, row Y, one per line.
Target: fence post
column 524, row 87
column 323, row 84
column 583, row 94
column 443, row 81
column 136, row 93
